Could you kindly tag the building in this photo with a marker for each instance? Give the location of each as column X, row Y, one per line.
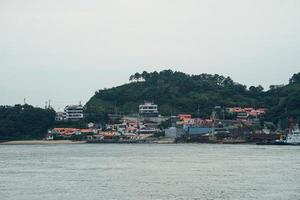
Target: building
column 184, row 117
column 74, row 112
column 60, row 116
column 244, row 113
column 171, row 132
column 148, row 109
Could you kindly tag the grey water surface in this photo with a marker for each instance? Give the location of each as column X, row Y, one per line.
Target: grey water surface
column 149, row 171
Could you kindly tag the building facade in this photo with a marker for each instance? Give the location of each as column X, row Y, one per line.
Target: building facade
column 74, row 112
column 148, row 109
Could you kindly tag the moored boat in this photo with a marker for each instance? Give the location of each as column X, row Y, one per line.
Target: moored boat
column 293, row 138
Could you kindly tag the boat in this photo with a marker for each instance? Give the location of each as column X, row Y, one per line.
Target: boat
column 118, row 141
column 114, row 138
column 293, row 138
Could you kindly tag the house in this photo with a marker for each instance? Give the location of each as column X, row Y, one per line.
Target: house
column 184, row 117
column 242, row 115
column 60, row 116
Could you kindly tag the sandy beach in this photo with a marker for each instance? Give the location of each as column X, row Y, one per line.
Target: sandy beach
column 39, row 142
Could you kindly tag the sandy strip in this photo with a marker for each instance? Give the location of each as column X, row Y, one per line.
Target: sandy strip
column 31, row 142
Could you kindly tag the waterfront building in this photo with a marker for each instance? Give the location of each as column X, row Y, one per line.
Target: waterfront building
column 197, row 130
column 49, row 135
column 171, row 132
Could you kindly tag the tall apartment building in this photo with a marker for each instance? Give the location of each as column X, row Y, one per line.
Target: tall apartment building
column 73, row 112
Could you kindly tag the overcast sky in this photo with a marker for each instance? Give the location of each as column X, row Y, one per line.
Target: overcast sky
column 65, row 50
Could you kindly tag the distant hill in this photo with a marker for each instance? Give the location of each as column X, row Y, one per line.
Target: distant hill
column 24, row 122
column 177, row 92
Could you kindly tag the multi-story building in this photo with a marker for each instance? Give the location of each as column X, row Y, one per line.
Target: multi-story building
column 73, row 112
column 148, row 109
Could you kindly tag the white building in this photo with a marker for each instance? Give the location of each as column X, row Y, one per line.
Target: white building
column 148, row 109
column 74, row 112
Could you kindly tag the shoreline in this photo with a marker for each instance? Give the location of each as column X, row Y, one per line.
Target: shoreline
column 163, row 141
column 50, row 142
column 41, row 142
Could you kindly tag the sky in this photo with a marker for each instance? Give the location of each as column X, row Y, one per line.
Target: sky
column 65, row 50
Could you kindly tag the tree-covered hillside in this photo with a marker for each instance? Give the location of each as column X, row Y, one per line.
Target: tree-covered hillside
column 177, row 92
column 284, row 101
column 24, row 122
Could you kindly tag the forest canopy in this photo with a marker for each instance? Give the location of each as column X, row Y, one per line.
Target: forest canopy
column 178, row 92
column 24, row 122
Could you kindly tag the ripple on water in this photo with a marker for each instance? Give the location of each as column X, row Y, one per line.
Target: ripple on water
column 196, row 171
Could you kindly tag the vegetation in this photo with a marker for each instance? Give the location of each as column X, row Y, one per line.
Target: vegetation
column 284, row 101
column 177, row 92
column 71, row 124
column 24, row 122
column 174, row 92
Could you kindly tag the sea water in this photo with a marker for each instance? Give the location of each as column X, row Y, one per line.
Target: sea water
column 149, row 171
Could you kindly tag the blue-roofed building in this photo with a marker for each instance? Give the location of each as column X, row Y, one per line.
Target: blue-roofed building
column 196, row 130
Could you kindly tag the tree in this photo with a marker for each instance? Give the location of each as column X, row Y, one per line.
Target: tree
column 177, row 92
column 131, row 78
column 256, row 90
column 137, row 76
column 295, row 78
column 228, row 81
column 145, row 75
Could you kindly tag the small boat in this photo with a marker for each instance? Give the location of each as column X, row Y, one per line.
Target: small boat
column 293, row 138
column 114, row 139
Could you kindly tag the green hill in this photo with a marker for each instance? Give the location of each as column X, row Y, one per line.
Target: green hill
column 24, row 122
column 177, row 92
column 284, row 101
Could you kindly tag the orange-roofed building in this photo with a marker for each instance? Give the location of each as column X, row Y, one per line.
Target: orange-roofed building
column 262, row 110
column 254, row 113
column 66, row 131
column 248, row 109
column 184, row 117
column 236, row 109
column 88, row 130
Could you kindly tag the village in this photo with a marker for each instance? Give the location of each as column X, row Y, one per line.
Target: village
column 148, row 126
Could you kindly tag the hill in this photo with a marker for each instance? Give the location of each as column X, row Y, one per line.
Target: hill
column 177, row 92
column 24, row 122
column 284, row 101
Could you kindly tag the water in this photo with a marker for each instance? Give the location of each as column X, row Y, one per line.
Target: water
column 144, row 171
